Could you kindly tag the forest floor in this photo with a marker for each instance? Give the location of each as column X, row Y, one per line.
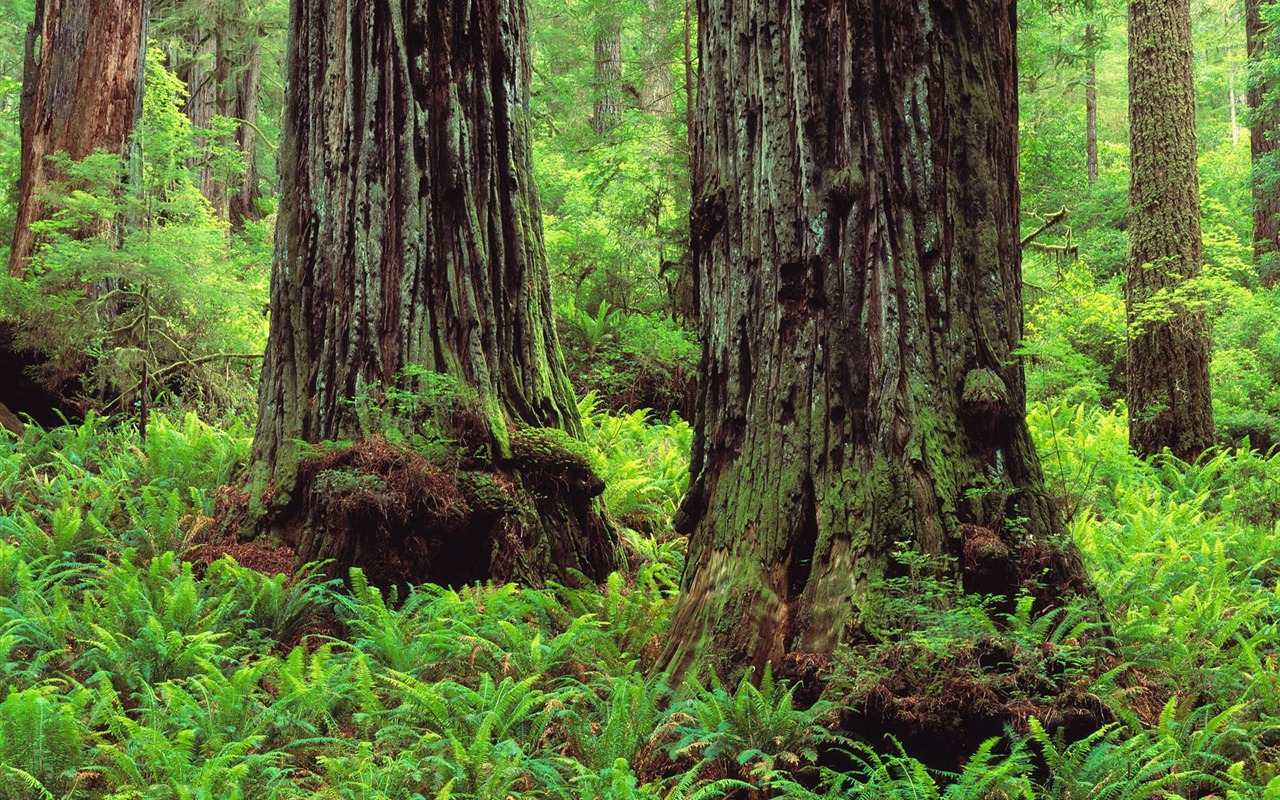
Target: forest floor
column 137, row 665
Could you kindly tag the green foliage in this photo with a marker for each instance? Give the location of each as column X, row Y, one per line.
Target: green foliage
column 645, row 465
column 41, row 742
column 630, row 361
column 757, row 729
column 139, row 292
column 129, row 673
column 1076, row 338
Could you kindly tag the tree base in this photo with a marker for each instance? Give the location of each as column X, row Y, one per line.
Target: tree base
column 404, row 519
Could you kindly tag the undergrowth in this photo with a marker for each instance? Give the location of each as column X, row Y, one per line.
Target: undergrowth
column 129, row 672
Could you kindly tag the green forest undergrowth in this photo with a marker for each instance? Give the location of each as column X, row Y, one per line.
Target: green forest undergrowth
column 138, row 666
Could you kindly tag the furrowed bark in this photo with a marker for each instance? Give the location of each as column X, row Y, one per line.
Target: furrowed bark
column 1168, row 363
column 857, row 260
column 409, row 235
column 82, row 84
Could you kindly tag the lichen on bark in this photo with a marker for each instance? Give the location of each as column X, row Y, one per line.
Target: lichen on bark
column 409, row 242
column 858, row 280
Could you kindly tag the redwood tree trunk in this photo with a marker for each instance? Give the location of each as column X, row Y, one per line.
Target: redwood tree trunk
column 199, row 72
column 409, row 235
column 1264, row 140
column 1168, row 363
column 607, row 82
column 244, row 106
column 81, row 89
column 856, row 238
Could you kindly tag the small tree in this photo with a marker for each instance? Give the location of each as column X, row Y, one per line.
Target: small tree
column 136, row 293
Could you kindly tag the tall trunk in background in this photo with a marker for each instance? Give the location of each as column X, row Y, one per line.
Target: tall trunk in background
column 220, row 60
column 689, row 79
column 81, row 91
column 1232, row 100
column 1264, row 140
column 409, row 235
column 1168, row 363
column 199, row 72
column 855, row 230
column 243, row 204
column 607, row 80
column 657, row 93
column 1091, row 107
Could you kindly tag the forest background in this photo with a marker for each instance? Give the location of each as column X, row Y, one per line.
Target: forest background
column 132, row 673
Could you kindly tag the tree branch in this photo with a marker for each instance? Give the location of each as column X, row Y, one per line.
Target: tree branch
column 1049, row 222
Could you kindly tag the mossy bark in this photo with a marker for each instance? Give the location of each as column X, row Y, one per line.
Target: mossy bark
column 1264, row 139
column 409, row 235
column 856, row 236
column 81, row 91
column 1168, row 363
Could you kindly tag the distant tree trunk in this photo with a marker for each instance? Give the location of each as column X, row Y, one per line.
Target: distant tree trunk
column 220, row 60
column 607, row 83
column 1091, row 109
column 689, row 80
column 244, row 107
column 1168, row 363
column 409, row 235
column 656, row 96
column 81, row 91
column 199, row 73
column 1264, row 140
column 1231, row 104
column 855, row 230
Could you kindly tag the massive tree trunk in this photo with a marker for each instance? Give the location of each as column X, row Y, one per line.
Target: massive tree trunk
column 409, row 236
column 607, row 81
column 81, row 91
column 1168, row 363
column 1264, row 140
column 855, row 229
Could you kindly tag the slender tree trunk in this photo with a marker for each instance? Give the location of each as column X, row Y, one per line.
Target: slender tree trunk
column 1231, row 104
column 1264, row 139
column 607, row 83
column 1168, row 363
column 81, row 89
column 409, row 235
column 1091, row 110
column 855, row 230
